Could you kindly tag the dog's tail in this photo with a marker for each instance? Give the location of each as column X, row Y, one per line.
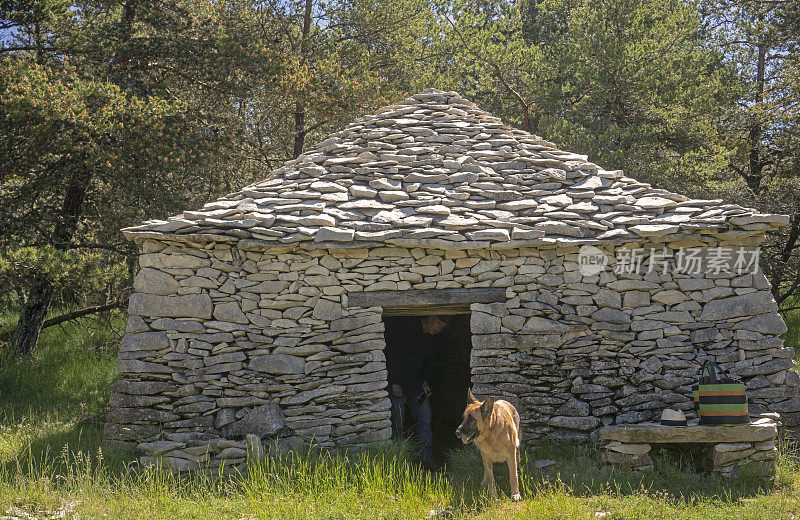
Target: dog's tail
column 516, row 426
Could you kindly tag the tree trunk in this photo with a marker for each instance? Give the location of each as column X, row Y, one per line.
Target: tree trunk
column 300, row 110
column 121, row 57
column 756, row 159
column 34, row 311
column 37, row 31
column 25, row 336
column 299, row 130
column 779, row 271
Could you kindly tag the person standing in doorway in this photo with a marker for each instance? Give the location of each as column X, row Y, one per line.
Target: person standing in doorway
column 409, row 362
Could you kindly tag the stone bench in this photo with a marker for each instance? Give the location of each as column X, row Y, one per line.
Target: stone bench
column 725, row 449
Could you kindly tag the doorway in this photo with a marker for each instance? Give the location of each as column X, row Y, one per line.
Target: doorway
column 451, row 374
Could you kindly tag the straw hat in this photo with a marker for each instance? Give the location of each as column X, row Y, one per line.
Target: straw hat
column 671, row 417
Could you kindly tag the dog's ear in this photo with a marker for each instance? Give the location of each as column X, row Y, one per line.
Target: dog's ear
column 487, row 407
column 471, row 398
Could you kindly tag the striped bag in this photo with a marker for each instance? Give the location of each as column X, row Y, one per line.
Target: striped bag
column 721, row 398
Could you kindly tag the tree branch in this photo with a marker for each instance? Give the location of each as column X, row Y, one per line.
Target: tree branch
column 16, row 48
column 312, row 127
column 81, row 313
column 500, row 76
column 71, row 316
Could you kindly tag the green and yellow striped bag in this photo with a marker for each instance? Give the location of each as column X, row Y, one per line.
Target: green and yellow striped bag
column 721, row 399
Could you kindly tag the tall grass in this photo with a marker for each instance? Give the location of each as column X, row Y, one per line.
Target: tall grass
column 312, row 484
column 70, row 372
column 56, row 397
column 364, row 484
column 383, row 483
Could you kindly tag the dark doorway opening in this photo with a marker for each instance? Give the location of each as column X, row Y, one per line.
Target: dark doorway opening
column 451, row 374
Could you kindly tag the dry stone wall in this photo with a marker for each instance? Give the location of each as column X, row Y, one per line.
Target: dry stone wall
column 223, row 342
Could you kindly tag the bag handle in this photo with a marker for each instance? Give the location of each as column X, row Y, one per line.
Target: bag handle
column 713, row 370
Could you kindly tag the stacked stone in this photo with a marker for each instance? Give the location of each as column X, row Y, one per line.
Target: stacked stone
column 243, row 306
column 230, row 331
column 579, row 352
column 242, row 329
column 730, row 458
column 437, row 171
column 628, row 455
column 214, row 455
column 750, row 447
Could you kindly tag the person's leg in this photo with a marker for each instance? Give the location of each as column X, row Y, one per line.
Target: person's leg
column 398, row 415
column 424, row 432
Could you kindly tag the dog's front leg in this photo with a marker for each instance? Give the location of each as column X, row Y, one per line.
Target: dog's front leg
column 513, row 477
column 488, row 475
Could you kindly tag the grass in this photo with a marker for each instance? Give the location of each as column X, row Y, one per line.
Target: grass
column 792, row 335
column 51, row 464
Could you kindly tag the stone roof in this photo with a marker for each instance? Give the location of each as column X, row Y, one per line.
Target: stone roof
column 436, row 170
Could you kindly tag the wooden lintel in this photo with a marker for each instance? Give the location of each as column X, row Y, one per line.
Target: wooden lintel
column 426, row 310
column 427, row 297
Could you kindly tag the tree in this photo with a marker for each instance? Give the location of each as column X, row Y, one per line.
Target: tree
column 340, row 59
column 629, row 83
column 68, row 140
column 114, row 113
column 635, row 87
column 86, row 148
column 482, row 53
column 760, row 39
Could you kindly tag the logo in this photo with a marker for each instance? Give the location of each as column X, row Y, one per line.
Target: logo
column 591, row 260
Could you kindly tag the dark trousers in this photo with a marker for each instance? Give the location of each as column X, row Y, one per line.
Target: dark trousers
column 421, row 412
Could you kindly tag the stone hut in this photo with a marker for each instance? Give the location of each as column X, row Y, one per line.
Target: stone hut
column 264, row 312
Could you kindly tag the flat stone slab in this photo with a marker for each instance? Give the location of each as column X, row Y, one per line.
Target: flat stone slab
column 654, row 433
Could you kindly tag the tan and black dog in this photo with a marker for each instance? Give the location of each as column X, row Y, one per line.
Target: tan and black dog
column 494, row 427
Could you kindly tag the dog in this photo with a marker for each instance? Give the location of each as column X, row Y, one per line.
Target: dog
column 493, row 425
